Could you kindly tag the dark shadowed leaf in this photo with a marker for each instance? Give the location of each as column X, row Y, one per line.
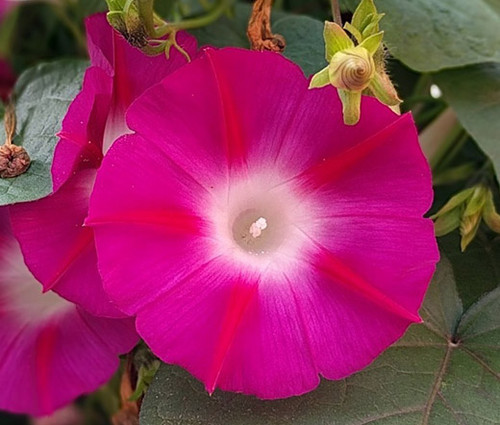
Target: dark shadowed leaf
column 442, row 372
column 43, row 95
column 474, row 93
column 477, row 270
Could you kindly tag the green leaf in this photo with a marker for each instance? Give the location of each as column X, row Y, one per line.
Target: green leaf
column 429, row 35
column 474, row 93
column 477, row 270
column 442, row 372
column 304, row 41
column 304, row 36
column 43, row 95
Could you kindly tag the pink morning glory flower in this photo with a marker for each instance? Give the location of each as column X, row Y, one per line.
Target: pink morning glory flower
column 260, row 241
column 57, row 248
column 52, row 351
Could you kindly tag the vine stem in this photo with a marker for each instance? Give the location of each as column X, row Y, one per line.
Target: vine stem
column 337, row 16
column 213, row 14
column 10, row 123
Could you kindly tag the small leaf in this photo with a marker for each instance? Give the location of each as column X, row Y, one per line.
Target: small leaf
column 43, row 94
column 336, row 39
column 320, row 79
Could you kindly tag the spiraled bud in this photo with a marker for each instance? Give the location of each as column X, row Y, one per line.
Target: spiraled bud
column 14, row 161
column 352, row 69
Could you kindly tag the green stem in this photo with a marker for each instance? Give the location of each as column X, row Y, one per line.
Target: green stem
column 212, row 15
column 75, row 30
column 453, row 151
column 146, row 14
column 449, row 143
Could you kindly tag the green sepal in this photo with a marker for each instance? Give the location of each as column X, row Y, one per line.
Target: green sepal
column 476, row 202
column 144, row 378
column 364, row 9
column 448, row 222
column 336, row 39
column 383, row 89
column 373, row 43
column 320, row 79
column 468, row 229
column 354, row 31
column 351, row 106
column 454, row 202
column 147, row 15
column 373, row 26
column 490, row 214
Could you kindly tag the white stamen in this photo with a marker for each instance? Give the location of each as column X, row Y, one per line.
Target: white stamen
column 257, row 227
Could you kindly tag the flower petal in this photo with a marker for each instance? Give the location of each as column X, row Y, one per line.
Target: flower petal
column 289, row 116
column 51, row 351
column 386, row 174
column 58, row 249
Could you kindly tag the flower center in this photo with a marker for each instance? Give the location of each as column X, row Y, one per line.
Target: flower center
column 258, row 233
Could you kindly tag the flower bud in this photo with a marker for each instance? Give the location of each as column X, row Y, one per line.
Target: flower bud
column 126, row 19
column 352, row 69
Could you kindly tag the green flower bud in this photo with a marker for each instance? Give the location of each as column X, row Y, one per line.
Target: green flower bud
column 352, row 69
column 465, row 211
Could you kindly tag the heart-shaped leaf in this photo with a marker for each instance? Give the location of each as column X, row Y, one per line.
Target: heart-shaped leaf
column 430, row 35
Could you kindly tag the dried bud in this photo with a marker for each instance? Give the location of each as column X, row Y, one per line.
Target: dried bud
column 125, row 17
column 14, row 161
column 352, row 69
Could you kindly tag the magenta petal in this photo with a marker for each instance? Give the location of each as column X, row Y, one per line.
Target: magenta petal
column 58, row 249
column 168, row 210
column 394, row 250
column 251, row 340
column 222, row 87
column 350, row 181
column 260, row 241
column 83, row 128
column 52, row 352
